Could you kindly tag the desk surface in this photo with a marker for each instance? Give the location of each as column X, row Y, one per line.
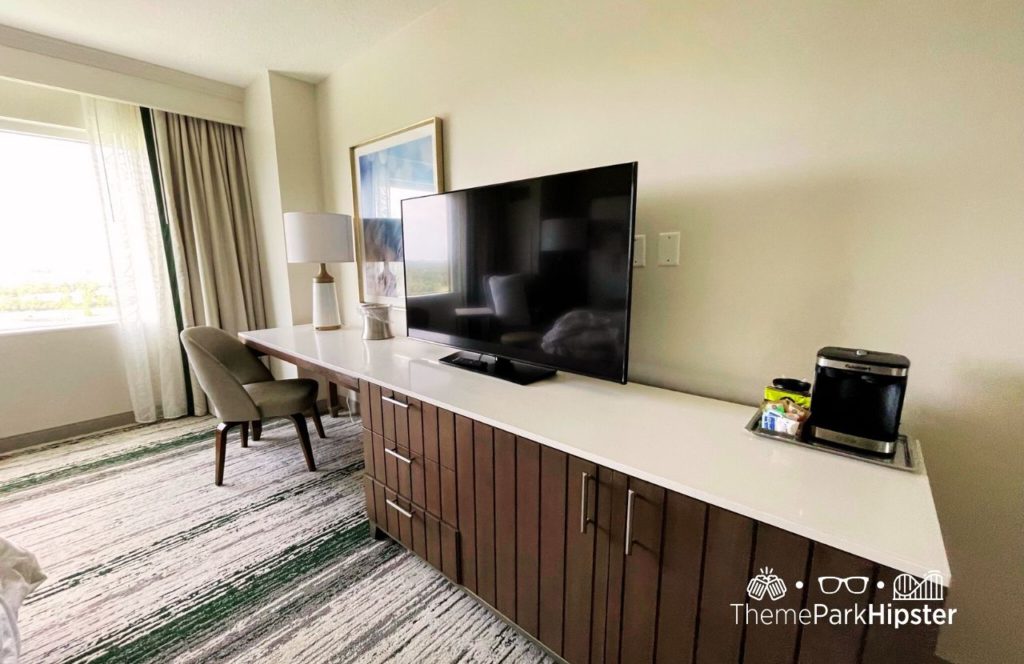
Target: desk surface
column 694, row 445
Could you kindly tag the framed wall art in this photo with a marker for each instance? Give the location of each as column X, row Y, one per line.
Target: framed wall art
column 385, row 171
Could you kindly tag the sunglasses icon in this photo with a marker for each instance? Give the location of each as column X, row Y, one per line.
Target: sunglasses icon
column 830, row 585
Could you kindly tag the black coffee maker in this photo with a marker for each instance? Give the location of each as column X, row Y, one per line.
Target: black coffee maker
column 858, row 398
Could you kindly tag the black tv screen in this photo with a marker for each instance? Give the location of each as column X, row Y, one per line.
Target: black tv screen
column 536, row 270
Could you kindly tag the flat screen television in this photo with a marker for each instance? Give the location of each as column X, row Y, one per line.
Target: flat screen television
column 526, row 277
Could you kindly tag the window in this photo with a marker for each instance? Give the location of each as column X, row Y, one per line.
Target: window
column 54, row 260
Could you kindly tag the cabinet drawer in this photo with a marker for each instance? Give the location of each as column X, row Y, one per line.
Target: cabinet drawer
column 392, row 414
column 413, row 527
column 425, row 483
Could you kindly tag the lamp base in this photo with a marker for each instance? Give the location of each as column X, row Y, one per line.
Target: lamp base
column 326, row 314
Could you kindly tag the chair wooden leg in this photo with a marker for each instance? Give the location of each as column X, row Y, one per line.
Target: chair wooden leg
column 257, row 429
column 220, row 448
column 318, row 423
column 245, row 434
column 332, row 399
column 307, row 448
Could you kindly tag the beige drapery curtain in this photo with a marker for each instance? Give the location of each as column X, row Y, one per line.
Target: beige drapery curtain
column 212, row 226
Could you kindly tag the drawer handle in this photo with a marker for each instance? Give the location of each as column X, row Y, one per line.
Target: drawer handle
column 630, row 497
column 584, row 509
column 398, row 508
column 398, row 456
column 396, row 402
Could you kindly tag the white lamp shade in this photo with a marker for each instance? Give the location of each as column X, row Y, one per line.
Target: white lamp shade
column 318, row 237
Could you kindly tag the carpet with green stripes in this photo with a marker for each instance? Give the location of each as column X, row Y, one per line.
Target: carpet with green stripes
column 148, row 561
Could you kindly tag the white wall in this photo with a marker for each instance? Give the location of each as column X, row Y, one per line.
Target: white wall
column 841, row 173
column 298, row 164
column 57, row 377
column 282, row 145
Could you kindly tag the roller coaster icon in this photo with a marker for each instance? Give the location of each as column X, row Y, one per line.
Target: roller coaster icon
column 908, row 588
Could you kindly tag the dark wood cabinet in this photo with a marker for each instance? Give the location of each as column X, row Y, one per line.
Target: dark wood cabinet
column 465, row 478
column 599, row 566
column 682, row 560
column 428, row 537
column 527, row 536
column 728, row 544
column 630, row 536
column 505, row 523
column 580, row 539
column 645, row 504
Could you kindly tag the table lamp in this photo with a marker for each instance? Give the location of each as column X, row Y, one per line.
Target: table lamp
column 320, row 237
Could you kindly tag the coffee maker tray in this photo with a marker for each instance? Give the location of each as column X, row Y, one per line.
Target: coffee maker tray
column 904, row 458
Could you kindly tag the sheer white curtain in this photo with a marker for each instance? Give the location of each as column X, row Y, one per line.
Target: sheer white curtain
column 149, row 333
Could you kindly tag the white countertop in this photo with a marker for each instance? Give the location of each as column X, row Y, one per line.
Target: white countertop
column 694, row 445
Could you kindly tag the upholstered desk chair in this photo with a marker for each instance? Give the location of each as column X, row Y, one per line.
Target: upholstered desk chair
column 242, row 390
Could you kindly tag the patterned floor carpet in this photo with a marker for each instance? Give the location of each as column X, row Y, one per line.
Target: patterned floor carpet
column 148, row 561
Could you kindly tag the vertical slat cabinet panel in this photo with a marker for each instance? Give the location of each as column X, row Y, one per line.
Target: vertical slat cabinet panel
column 376, row 418
column 364, row 404
column 387, row 414
column 579, row 556
column 432, row 486
column 405, row 472
column 383, row 519
column 371, row 504
column 415, row 417
column 786, row 555
column 368, row 452
column 451, row 563
column 379, row 458
column 467, row 500
column 727, row 554
column 430, row 444
column 679, row 595
column 401, row 524
column 913, row 644
column 527, row 535
column 505, row 522
column 433, row 529
column 552, row 546
column 391, row 464
column 823, row 642
column 446, row 438
column 483, row 468
column 419, row 479
column 449, row 497
column 602, row 552
column 419, row 532
column 615, row 484
column 401, row 420
column 642, row 572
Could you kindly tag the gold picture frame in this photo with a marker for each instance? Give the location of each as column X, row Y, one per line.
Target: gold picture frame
column 380, row 266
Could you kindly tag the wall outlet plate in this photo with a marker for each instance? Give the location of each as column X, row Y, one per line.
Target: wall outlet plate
column 639, row 250
column 668, row 249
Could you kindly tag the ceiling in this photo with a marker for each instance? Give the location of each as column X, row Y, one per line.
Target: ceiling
column 232, row 41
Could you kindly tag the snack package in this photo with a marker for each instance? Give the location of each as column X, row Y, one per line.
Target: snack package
column 772, row 393
column 785, row 417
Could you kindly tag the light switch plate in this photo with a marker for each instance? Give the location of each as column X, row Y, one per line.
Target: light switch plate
column 668, row 249
column 639, row 250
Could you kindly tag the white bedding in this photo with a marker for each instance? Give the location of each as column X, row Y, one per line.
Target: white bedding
column 19, row 575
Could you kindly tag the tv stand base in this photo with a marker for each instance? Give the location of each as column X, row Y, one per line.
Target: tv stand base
column 521, row 373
